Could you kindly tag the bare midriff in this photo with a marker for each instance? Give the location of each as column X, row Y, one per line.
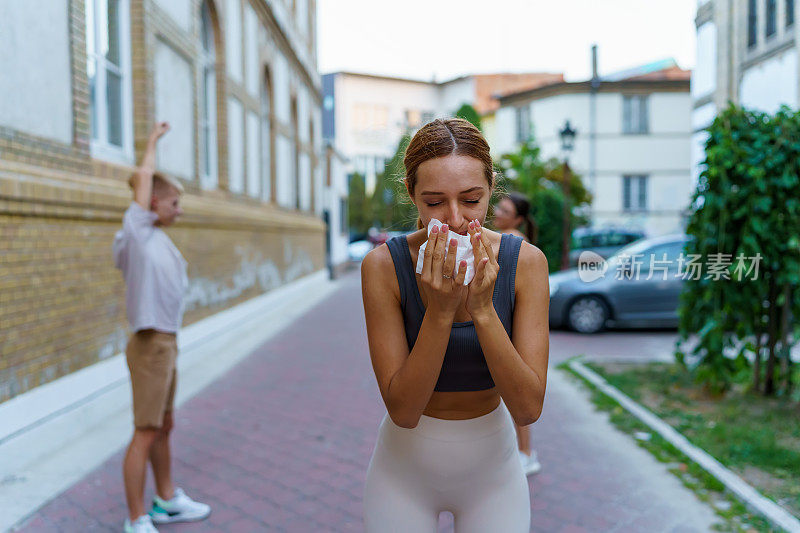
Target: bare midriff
column 462, row 405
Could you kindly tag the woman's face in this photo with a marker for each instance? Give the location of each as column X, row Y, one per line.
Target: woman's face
column 452, row 189
column 505, row 215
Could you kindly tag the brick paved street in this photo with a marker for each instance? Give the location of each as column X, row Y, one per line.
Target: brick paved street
column 282, row 443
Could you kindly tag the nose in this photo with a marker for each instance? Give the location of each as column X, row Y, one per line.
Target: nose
column 454, row 217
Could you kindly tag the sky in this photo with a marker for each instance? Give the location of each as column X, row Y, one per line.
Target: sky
column 443, row 39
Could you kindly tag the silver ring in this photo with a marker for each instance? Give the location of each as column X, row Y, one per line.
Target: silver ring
column 446, row 276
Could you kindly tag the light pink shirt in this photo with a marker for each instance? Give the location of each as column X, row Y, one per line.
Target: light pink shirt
column 154, row 272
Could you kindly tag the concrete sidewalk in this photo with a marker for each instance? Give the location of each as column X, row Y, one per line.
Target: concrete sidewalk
column 282, row 443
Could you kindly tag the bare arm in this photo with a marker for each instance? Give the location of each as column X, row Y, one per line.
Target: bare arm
column 142, row 180
column 406, row 379
column 519, row 368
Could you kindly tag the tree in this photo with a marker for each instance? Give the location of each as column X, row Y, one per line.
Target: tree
column 540, row 181
column 467, row 112
column 359, row 209
column 391, row 206
column 747, row 208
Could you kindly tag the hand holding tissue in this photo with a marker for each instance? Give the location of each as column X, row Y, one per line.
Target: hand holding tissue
column 463, row 253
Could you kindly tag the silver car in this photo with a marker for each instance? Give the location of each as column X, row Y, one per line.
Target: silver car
column 638, row 286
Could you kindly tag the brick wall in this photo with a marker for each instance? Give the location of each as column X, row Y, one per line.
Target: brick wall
column 62, row 303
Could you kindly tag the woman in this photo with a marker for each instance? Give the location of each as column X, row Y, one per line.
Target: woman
column 509, row 214
column 457, row 365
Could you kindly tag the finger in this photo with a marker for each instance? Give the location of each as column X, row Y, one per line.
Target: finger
column 489, row 252
column 462, row 273
column 438, row 253
column 427, row 257
column 477, row 248
column 480, row 272
column 450, row 261
column 472, row 228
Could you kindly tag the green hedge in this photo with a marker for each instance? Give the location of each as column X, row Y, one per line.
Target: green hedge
column 747, row 204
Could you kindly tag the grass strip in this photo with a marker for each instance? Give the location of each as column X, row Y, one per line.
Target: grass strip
column 734, row 514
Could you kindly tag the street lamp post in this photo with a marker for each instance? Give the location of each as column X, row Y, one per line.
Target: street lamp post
column 567, row 144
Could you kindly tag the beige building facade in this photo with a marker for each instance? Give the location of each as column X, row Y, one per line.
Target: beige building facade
column 238, row 82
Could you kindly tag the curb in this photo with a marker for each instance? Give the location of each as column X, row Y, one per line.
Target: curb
column 773, row 512
column 55, row 434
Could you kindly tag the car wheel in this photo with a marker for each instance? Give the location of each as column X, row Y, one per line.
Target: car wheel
column 587, row 314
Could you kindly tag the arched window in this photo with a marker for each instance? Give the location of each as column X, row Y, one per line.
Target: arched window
column 267, row 139
column 208, row 101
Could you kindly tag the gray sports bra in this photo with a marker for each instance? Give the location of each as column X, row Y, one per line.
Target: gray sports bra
column 464, row 367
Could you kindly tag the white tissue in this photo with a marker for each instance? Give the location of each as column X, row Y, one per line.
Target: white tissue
column 463, row 253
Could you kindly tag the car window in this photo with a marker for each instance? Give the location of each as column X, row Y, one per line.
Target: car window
column 618, row 239
column 672, row 250
column 636, row 247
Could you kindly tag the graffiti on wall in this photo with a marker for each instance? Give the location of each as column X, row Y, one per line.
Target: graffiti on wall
column 254, row 270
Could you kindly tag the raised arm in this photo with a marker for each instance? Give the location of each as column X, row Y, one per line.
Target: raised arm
column 519, row 364
column 142, row 180
column 406, row 379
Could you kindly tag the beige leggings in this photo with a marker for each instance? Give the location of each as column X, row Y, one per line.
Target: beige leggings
column 468, row 467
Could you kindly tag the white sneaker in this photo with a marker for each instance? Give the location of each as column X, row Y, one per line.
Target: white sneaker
column 530, row 463
column 180, row 508
column 143, row 524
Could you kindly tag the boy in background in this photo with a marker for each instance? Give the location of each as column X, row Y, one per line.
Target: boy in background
column 155, row 280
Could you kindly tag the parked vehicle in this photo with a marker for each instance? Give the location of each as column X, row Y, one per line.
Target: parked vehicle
column 358, row 250
column 602, row 241
column 620, row 296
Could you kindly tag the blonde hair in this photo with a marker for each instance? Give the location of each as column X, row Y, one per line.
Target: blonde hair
column 161, row 183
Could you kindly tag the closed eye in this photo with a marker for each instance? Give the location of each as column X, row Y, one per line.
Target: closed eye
column 437, row 203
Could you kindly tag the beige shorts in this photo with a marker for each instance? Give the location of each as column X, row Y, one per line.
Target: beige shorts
column 151, row 357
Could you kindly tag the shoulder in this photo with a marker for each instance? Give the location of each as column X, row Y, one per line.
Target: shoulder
column 532, row 265
column 377, row 261
column 377, row 271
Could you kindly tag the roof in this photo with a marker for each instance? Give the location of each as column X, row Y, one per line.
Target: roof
column 657, row 70
column 665, row 76
column 486, row 85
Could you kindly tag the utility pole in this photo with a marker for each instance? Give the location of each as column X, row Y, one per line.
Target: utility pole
column 565, row 222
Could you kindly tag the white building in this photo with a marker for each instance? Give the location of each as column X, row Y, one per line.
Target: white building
column 335, row 200
column 366, row 115
column 746, row 54
column 633, row 143
column 81, row 84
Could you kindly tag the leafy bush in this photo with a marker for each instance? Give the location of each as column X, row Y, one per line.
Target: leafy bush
column 747, row 205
